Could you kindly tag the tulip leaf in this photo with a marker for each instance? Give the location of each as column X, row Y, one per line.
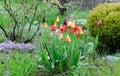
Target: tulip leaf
column 96, row 42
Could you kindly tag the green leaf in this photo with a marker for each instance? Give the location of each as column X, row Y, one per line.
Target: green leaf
column 96, row 42
column 89, row 48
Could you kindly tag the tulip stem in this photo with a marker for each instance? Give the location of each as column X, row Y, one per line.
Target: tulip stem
column 99, row 30
column 48, row 52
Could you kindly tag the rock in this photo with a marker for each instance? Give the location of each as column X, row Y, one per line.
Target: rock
column 111, row 59
column 82, row 21
column 7, row 73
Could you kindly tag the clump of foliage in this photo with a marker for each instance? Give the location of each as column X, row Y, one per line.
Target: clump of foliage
column 18, row 64
column 59, row 47
column 62, row 45
column 21, row 16
column 109, row 34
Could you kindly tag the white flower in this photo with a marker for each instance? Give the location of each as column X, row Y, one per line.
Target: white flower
column 60, row 36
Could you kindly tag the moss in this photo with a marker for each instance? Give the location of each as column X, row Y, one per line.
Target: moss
column 109, row 33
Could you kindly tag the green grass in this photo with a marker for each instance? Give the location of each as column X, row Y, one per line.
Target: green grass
column 95, row 67
column 18, row 64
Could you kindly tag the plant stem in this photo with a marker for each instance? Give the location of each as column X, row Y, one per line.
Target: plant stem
column 33, row 16
column 48, row 52
column 6, row 35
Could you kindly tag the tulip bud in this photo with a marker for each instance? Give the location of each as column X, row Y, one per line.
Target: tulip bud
column 72, row 26
column 53, row 28
column 61, row 36
column 68, row 39
column 43, row 20
column 69, row 23
column 99, row 23
column 61, row 28
column 72, row 31
column 77, row 34
column 51, row 34
column 76, row 27
column 57, row 19
column 45, row 25
column 55, row 24
column 66, row 21
column 57, row 32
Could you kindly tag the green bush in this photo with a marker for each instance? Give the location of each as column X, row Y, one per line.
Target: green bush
column 109, row 33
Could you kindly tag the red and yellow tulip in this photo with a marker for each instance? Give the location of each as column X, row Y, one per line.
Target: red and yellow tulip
column 62, row 29
column 68, row 39
column 79, row 31
column 72, row 24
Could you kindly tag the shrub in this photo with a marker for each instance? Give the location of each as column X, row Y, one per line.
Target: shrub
column 61, row 5
column 18, row 14
column 109, row 33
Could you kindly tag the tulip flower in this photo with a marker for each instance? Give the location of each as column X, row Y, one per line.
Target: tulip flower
column 72, row 31
column 72, row 25
column 99, row 23
column 65, row 28
column 68, row 39
column 66, row 21
column 55, row 24
column 53, row 28
column 69, row 23
column 45, row 25
column 51, row 34
column 79, row 32
column 61, row 27
column 76, row 27
column 60, row 36
column 43, row 19
column 58, row 32
column 57, row 19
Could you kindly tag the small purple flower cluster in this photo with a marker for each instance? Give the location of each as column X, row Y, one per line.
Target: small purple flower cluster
column 9, row 46
column 24, row 46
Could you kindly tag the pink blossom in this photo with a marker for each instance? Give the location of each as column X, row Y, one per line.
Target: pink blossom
column 99, row 23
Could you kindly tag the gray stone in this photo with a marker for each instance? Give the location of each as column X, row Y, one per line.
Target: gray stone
column 111, row 59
